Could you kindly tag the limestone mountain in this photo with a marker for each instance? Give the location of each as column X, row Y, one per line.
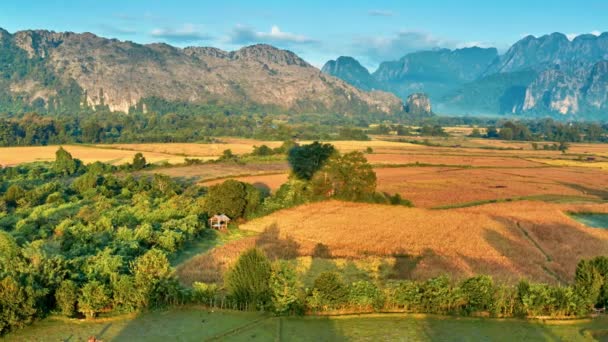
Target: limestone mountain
column 64, row 71
column 418, row 104
column 434, row 72
column 539, row 76
column 351, row 71
column 548, row 75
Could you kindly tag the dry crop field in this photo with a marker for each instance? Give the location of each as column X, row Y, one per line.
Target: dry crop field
column 88, row 154
column 455, row 227
column 526, row 234
column 509, row 241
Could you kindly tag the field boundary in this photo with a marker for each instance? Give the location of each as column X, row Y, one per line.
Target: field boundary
column 245, row 327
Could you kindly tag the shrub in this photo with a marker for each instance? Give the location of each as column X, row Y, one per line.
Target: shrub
column 93, row 299
column 248, row 282
column 204, row 293
column 478, row 293
column 66, row 297
column 331, row 289
column 365, row 294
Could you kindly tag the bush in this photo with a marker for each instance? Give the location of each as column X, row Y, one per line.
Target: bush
column 204, row 293
column 248, row 282
column 93, row 299
column 66, row 297
column 478, row 293
column 331, row 289
column 365, row 294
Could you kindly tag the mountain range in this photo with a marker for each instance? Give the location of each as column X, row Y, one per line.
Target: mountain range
column 59, row 72
column 548, row 75
column 63, row 71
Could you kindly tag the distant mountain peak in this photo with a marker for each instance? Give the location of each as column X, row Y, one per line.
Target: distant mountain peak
column 351, row 71
column 269, row 54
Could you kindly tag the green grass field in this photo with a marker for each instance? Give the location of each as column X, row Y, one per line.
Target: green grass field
column 199, row 324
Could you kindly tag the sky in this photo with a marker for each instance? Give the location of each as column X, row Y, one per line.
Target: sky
column 371, row 31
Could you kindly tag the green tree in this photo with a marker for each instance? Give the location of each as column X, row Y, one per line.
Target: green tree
column 17, row 305
column 506, row 133
column 563, row 146
column 66, row 297
column 588, row 282
column 306, row 160
column 149, row 270
column 93, row 299
column 139, row 161
column 64, row 163
column 233, row 198
column 284, row 286
column 248, row 282
column 349, row 177
column 13, row 194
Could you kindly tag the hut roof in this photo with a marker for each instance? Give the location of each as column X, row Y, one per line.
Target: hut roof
column 220, row 217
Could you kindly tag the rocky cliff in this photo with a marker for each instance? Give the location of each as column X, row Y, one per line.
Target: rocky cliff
column 548, row 75
column 118, row 75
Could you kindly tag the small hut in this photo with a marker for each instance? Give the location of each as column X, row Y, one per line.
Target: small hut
column 219, row 222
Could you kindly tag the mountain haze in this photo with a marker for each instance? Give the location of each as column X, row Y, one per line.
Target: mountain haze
column 548, row 75
column 49, row 70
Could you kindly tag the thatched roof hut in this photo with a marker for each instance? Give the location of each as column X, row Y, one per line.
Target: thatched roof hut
column 219, row 222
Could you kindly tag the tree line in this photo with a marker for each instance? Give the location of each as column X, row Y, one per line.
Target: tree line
column 256, row 283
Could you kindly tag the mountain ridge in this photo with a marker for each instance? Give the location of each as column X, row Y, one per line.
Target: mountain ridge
column 118, row 75
column 546, row 75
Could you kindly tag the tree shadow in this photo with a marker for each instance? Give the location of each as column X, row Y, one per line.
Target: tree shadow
column 274, row 246
column 263, row 188
column 405, row 264
column 603, row 194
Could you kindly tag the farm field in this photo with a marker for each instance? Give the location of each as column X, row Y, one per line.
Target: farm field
column 198, row 324
column 527, row 233
column 509, row 241
column 88, row 154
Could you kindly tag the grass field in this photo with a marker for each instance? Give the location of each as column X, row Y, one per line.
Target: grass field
column 198, row 324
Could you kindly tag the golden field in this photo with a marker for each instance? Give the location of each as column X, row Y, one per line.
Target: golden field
column 88, row 154
column 509, row 241
column 454, row 228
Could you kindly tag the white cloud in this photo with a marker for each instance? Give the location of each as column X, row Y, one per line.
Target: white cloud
column 246, row 35
column 381, row 13
column 186, row 33
column 117, row 30
column 396, row 46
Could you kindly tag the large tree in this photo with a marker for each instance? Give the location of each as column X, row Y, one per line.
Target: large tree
column 306, row 160
column 233, row 198
column 349, row 177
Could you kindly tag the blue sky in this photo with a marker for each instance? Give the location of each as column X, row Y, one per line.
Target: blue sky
column 371, row 31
